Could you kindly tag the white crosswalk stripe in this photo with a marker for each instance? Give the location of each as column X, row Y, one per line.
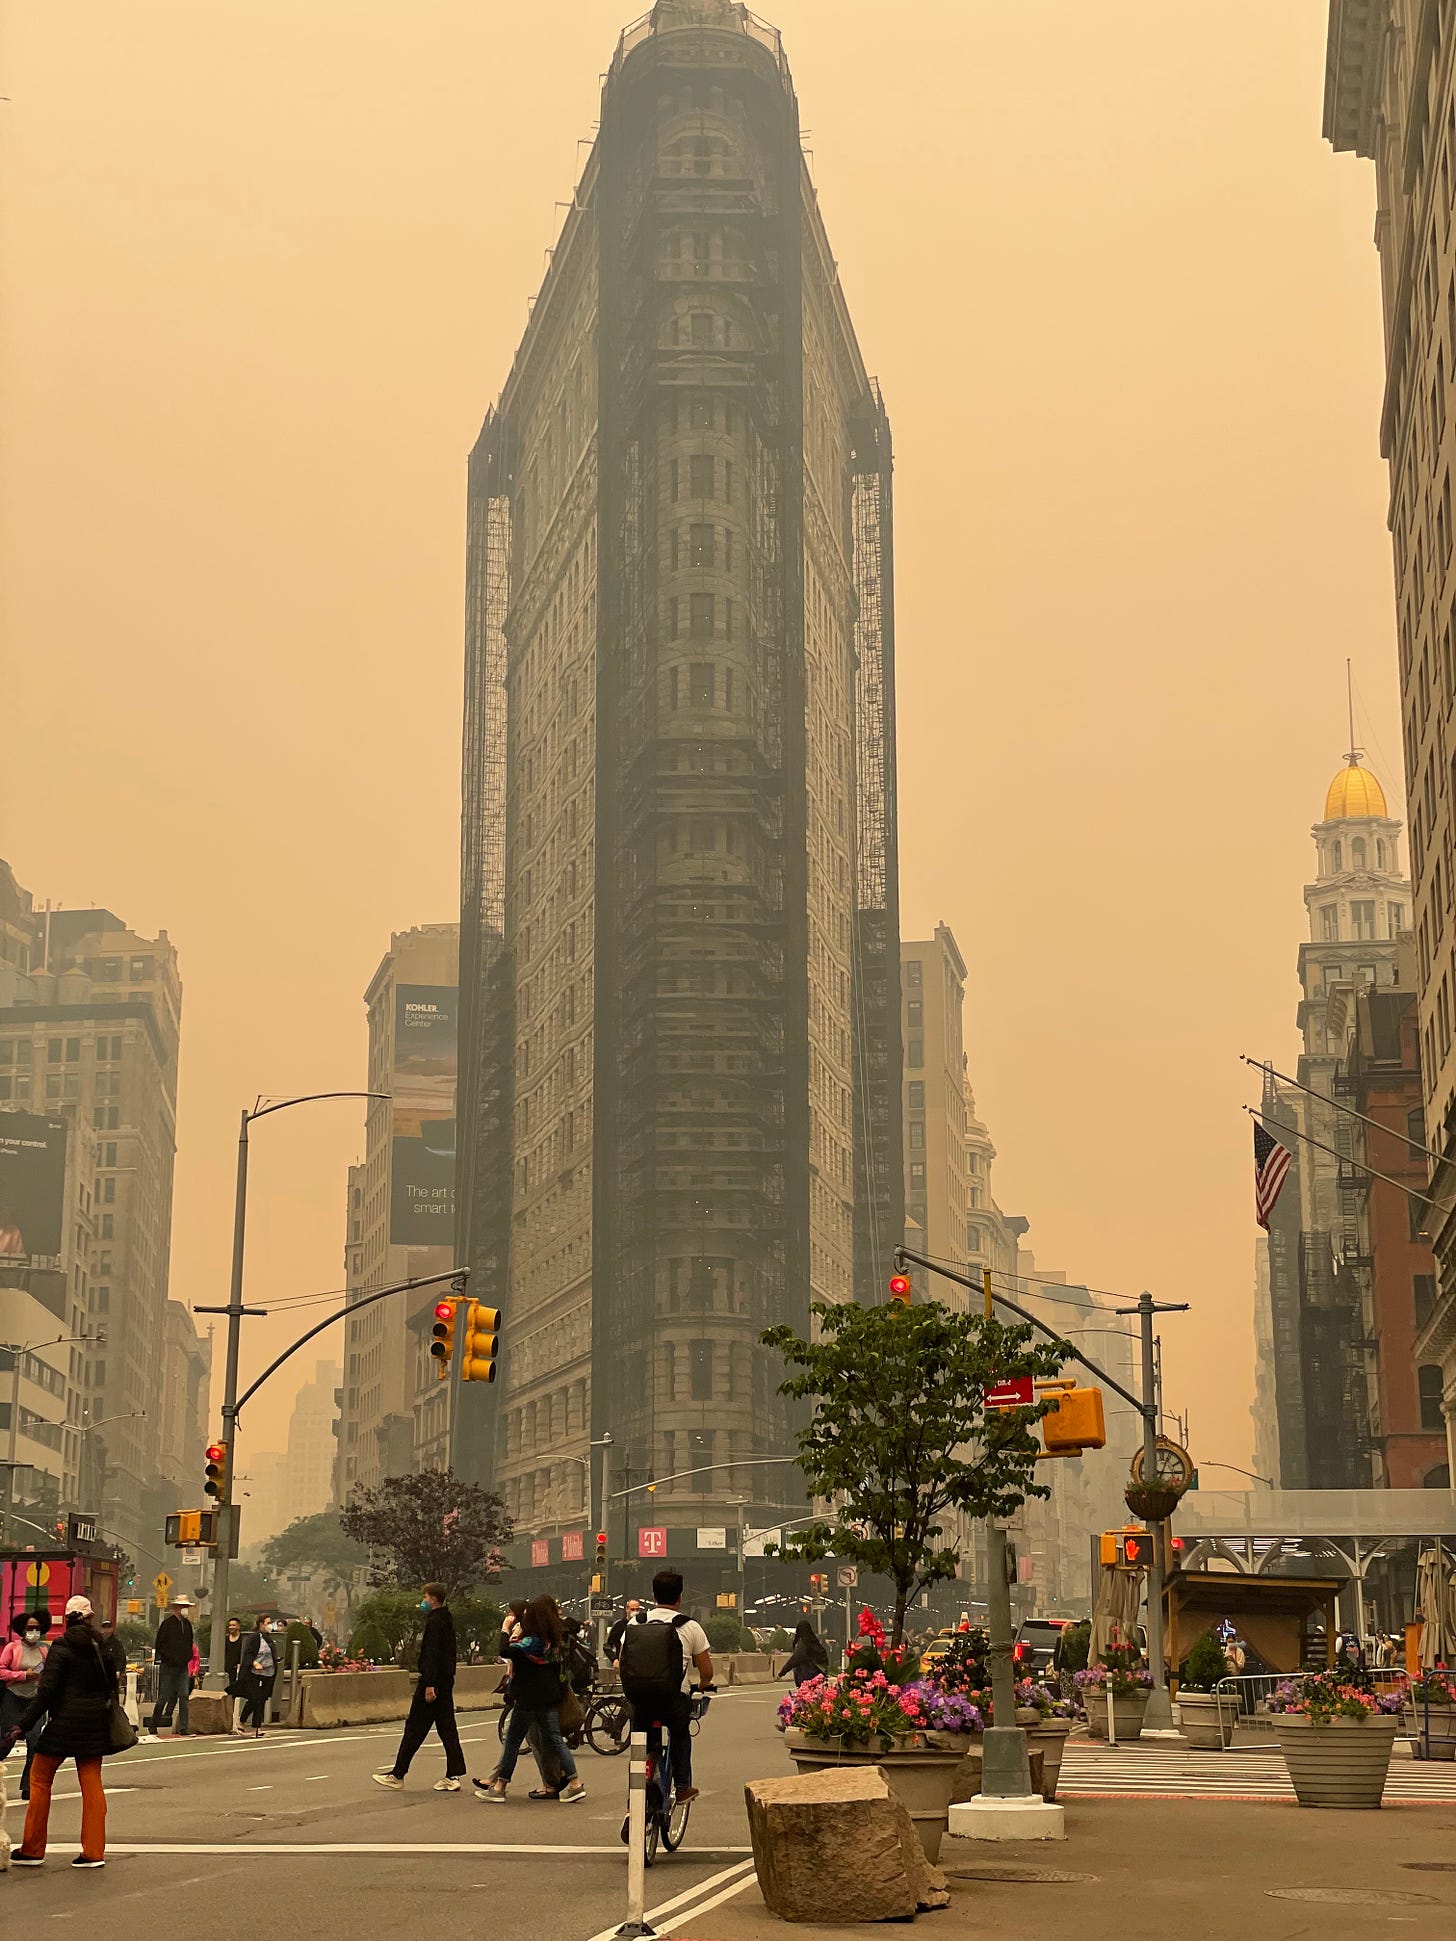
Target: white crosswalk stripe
column 1093, row 1771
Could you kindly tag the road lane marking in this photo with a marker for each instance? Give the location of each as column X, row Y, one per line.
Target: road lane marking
column 312, row 1850
column 689, row 1904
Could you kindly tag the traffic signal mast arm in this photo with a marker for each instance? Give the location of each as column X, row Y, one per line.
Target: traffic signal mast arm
column 902, row 1254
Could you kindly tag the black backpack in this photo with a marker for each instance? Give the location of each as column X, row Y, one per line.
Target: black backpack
column 652, row 1662
column 580, row 1664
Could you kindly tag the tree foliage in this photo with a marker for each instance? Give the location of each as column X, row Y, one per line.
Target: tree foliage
column 430, row 1527
column 901, row 1442
column 315, row 1543
column 388, row 1624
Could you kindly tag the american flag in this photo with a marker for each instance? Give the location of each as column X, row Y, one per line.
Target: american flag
column 1271, row 1167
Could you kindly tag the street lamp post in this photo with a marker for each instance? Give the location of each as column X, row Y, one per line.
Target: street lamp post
column 89, row 1429
column 227, row 1512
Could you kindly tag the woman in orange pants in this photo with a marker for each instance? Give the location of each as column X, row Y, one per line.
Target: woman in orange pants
column 77, row 1691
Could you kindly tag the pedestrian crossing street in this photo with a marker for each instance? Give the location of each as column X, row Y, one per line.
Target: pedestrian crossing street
column 1096, row 1771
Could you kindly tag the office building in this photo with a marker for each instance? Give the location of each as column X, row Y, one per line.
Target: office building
column 933, row 985
column 680, row 955
column 90, row 1019
column 1317, row 1281
column 1390, row 96
column 311, row 1441
column 401, row 1213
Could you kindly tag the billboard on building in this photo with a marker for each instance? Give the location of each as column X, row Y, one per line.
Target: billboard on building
column 422, row 1159
column 32, row 1184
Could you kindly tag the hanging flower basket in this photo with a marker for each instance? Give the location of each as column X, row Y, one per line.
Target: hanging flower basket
column 1152, row 1502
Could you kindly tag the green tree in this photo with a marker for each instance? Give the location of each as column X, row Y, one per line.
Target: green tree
column 901, row 1442
column 312, row 1543
column 429, row 1527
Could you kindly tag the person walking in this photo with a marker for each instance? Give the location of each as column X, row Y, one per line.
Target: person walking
column 20, row 1669
column 76, row 1694
column 257, row 1675
column 538, row 1684
column 172, row 1653
column 433, row 1703
column 232, row 1652
column 631, row 1615
column 807, row 1655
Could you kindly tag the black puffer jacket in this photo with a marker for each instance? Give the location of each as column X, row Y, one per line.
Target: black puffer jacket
column 77, row 1687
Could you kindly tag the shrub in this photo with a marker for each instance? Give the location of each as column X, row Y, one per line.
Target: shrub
column 780, row 1641
column 1205, row 1665
column 308, row 1651
column 725, row 1633
column 370, row 1643
column 1076, row 1647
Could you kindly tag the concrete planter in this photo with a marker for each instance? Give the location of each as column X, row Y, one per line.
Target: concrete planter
column 1342, row 1763
column 1207, row 1719
column 920, row 1774
column 1128, row 1711
column 1050, row 1737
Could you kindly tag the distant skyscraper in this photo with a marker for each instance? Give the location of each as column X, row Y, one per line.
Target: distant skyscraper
column 311, row 1441
column 1390, row 95
column 401, row 1222
column 90, row 1022
column 1317, row 1296
column 680, row 1103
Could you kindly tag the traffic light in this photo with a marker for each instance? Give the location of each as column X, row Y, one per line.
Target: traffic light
column 601, row 1549
column 1076, row 1423
column 218, row 1473
column 482, row 1343
column 184, row 1526
column 442, row 1338
column 1137, row 1549
column 900, row 1290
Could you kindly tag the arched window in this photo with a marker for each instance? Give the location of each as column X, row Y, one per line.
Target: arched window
column 1337, row 856
column 1428, row 1376
column 1380, row 852
column 1357, row 853
column 1438, row 1478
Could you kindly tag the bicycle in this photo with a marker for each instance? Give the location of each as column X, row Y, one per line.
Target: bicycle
column 608, row 1724
column 667, row 1815
column 573, row 1738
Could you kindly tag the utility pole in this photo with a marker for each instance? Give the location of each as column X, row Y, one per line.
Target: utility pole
column 1005, row 1768
column 1158, row 1719
column 605, row 1445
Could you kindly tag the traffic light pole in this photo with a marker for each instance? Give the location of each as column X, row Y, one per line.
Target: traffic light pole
column 1158, row 1719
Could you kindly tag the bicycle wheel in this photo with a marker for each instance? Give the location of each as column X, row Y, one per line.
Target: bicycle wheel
column 608, row 1727
column 654, row 1825
column 677, row 1824
column 501, row 1723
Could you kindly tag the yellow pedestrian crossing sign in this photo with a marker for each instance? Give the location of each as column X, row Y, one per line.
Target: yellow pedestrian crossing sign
column 161, row 1588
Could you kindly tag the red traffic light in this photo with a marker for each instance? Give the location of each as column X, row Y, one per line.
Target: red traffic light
column 216, row 1451
column 900, row 1288
column 443, row 1310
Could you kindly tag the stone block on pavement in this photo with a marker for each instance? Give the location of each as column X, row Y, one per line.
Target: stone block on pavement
column 836, row 1847
column 209, row 1713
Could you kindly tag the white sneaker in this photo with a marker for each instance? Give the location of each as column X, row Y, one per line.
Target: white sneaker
column 389, row 1780
column 447, row 1785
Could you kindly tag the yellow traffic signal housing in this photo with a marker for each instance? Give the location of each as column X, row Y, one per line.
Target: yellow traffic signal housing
column 442, row 1338
column 185, row 1526
column 482, row 1343
column 1107, row 1549
column 217, row 1474
column 1076, row 1423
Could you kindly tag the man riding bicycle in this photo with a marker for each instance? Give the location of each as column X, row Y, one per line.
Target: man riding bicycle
column 658, row 1658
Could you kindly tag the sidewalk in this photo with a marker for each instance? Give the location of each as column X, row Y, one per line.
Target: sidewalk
column 1142, row 1870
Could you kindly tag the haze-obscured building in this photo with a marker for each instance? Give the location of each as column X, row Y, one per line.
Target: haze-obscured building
column 311, row 1440
column 933, row 983
column 401, row 1211
column 680, row 1105
column 1318, row 1270
column 1390, row 96
column 90, row 1021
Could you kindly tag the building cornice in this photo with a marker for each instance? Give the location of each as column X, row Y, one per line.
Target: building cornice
column 1353, row 52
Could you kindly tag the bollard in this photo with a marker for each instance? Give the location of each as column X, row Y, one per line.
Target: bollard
column 636, row 1921
column 131, row 1705
column 1111, row 1715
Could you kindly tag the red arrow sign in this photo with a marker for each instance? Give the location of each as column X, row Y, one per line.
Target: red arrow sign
column 1016, row 1394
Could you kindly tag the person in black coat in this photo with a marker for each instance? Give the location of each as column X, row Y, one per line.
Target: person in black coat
column 807, row 1655
column 434, row 1699
column 76, row 1695
column 257, row 1674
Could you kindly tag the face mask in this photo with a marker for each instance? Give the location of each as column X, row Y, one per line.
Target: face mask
column 424, row 1603
column 32, row 1637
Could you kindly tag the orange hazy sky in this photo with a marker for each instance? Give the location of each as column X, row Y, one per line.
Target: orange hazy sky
column 264, row 265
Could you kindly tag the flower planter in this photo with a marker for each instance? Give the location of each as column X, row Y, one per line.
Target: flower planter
column 1050, row 1735
column 1341, row 1763
column 1207, row 1719
column 921, row 1772
column 1128, row 1711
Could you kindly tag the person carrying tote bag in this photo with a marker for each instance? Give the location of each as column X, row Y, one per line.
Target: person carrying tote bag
column 78, row 1693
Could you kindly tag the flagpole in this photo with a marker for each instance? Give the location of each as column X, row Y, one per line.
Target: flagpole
column 1261, row 1065
column 1276, row 1128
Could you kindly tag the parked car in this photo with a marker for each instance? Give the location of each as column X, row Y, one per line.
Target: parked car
column 1036, row 1640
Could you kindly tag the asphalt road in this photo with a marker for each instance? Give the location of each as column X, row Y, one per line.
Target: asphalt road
column 287, row 1833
